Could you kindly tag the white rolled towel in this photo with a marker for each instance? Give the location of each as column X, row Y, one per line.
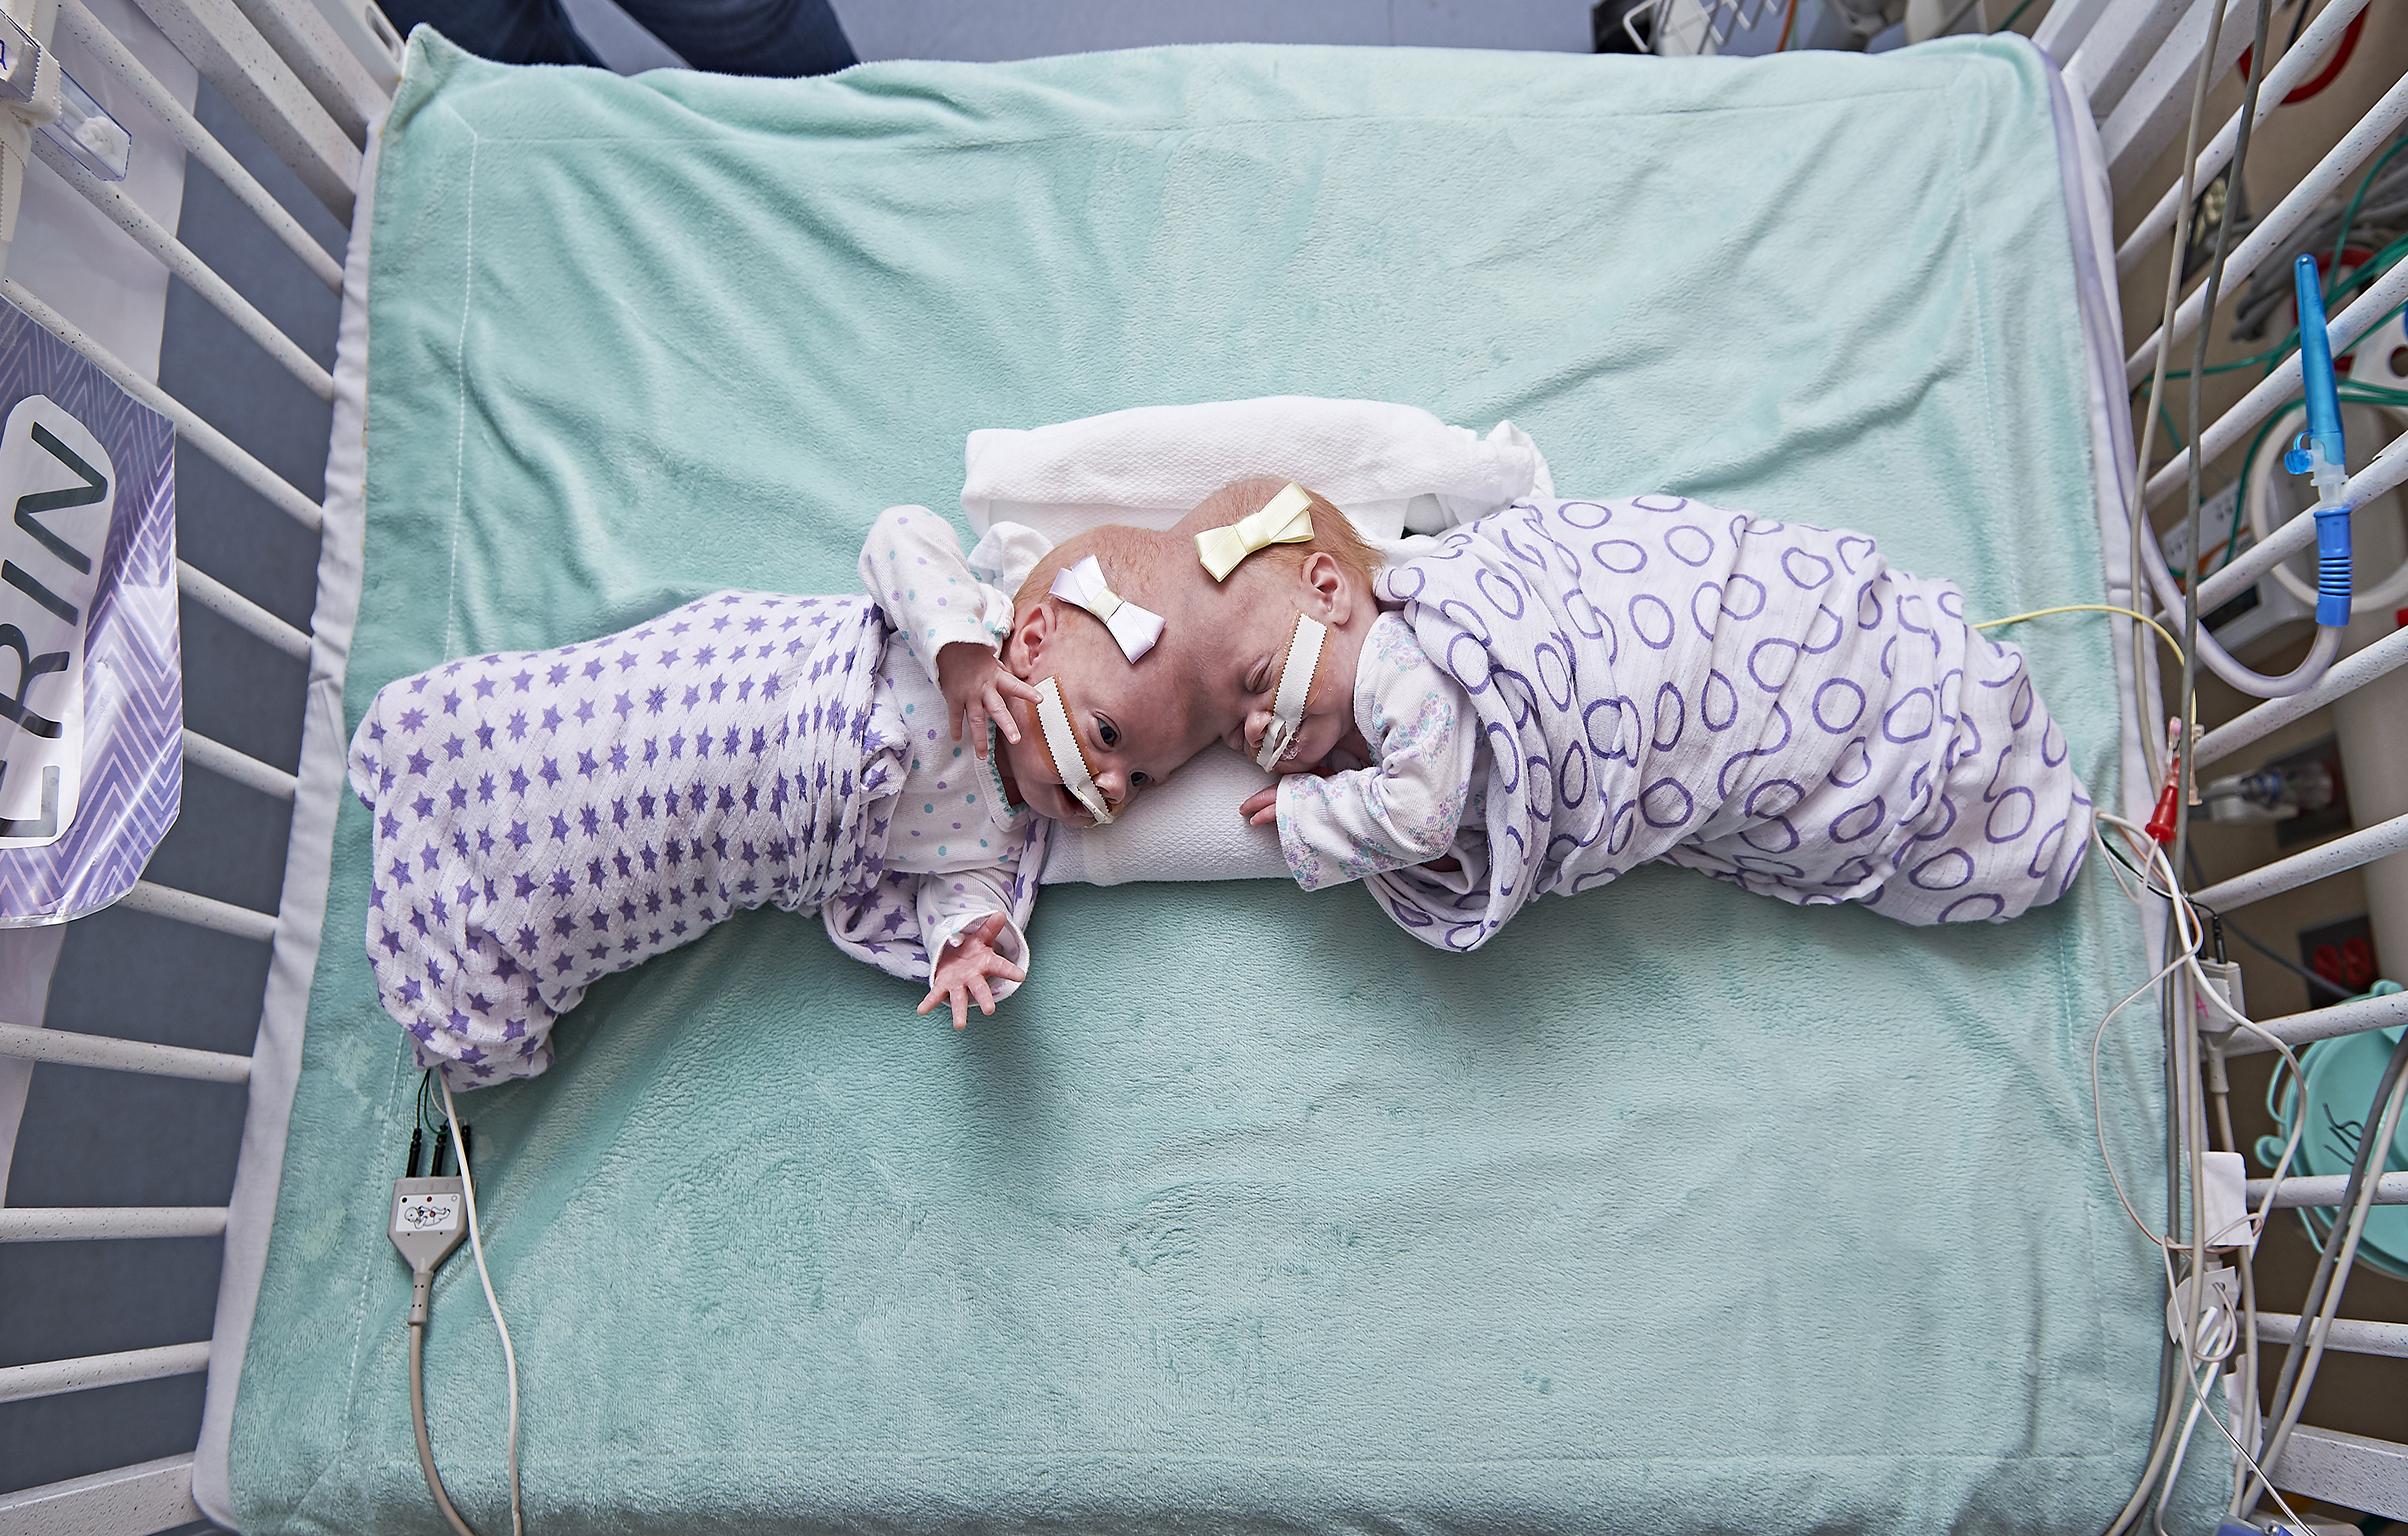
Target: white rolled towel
column 1394, row 469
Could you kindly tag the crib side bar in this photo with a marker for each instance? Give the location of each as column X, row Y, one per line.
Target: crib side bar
column 231, row 55
column 2354, row 1471
column 2325, row 1189
column 2322, row 36
column 147, row 1496
column 236, row 460
column 109, row 1053
column 2273, row 232
column 2153, row 112
column 2348, row 675
column 77, row 21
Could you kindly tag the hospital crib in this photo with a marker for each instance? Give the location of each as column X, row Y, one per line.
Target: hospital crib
column 310, row 77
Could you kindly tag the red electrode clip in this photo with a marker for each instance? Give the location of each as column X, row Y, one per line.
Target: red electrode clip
column 2161, row 821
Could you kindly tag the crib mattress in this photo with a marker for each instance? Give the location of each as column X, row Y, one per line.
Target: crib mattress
column 1672, row 1209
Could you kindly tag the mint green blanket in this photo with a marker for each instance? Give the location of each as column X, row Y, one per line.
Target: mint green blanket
column 1672, row 1209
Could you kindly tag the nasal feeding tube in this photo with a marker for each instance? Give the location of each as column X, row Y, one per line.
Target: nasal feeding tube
column 2319, row 452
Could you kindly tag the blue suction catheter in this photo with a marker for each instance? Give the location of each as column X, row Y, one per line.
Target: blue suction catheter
column 2318, row 452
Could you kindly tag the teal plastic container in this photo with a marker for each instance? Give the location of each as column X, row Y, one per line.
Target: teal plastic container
column 2340, row 1078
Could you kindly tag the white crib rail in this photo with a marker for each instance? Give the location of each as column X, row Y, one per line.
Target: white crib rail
column 2142, row 91
column 286, row 68
column 286, row 71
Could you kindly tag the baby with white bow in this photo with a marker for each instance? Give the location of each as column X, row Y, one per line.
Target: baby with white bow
column 542, row 819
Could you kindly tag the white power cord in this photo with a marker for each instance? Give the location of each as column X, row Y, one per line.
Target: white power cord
column 476, row 1247
column 2189, row 938
column 2206, row 1337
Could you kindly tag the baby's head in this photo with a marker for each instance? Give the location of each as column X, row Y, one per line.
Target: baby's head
column 1235, row 635
column 1130, row 723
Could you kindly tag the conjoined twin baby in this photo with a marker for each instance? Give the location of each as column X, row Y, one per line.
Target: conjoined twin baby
column 1552, row 695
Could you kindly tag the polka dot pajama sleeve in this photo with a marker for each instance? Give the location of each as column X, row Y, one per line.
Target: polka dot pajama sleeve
column 912, row 567
column 1769, row 703
column 1405, row 807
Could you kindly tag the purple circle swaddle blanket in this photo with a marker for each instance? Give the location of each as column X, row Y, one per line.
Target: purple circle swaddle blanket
column 1770, row 703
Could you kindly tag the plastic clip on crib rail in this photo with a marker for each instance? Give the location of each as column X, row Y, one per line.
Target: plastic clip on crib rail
column 36, row 96
column 2319, row 452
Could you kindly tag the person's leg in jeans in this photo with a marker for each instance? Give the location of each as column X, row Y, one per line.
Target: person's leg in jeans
column 735, row 37
column 508, row 31
column 749, row 37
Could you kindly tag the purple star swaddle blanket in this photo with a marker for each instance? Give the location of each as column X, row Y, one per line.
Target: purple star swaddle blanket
column 1770, row 703
column 545, row 818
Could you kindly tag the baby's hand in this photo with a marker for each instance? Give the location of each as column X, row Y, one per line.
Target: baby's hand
column 975, row 684
column 1262, row 807
column 963, row 971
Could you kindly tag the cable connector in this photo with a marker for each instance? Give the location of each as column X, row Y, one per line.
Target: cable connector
column 2224, row 976
column 427, row 1226
column 2320, row 452
column 2169, row 797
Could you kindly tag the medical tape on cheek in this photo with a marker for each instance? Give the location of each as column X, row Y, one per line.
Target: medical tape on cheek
column 1062, row 745
column 1295, row 689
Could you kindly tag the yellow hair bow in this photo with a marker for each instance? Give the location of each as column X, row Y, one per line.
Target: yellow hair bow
column 1286, row 518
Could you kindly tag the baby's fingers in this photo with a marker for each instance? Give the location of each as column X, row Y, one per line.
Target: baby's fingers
column 986, row 999
column 929, row 1002
column 1004, row 970
column 1264, row 817
column 1003, row 716
column 973, row 727
column 961, row 1013
column 1017, row 687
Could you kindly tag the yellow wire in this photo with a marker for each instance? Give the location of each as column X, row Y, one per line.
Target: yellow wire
column 2130, row 613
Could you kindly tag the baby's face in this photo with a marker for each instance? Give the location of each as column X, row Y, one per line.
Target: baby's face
column 1135, row 727
column 1237, row 643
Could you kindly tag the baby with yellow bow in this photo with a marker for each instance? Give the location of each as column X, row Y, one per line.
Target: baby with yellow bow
column 1562, row 690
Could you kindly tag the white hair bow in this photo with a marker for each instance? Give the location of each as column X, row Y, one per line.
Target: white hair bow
column 1133, row 628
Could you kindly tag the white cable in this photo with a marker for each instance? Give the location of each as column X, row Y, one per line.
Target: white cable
column 2098, row 1117
column 476, row 1246
column 2196, row 1345
column 2182, row 1444
column 2250, row 1461
column 2200, row 1346
column 2191, row 936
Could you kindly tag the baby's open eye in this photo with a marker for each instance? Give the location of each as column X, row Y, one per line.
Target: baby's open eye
column 1139, row 781
column 1107, row 733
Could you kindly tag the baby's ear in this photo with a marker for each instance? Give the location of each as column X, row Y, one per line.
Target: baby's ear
column 1032, row 631
column 1331, row 587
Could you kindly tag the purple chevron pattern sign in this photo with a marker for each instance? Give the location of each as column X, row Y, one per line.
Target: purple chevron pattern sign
column 91, row 687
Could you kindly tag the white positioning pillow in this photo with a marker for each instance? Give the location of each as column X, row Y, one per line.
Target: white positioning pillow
column 1394, row 469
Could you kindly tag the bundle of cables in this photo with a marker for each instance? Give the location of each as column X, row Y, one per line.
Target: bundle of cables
column 2208, row 1324
column 2208, row 1331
